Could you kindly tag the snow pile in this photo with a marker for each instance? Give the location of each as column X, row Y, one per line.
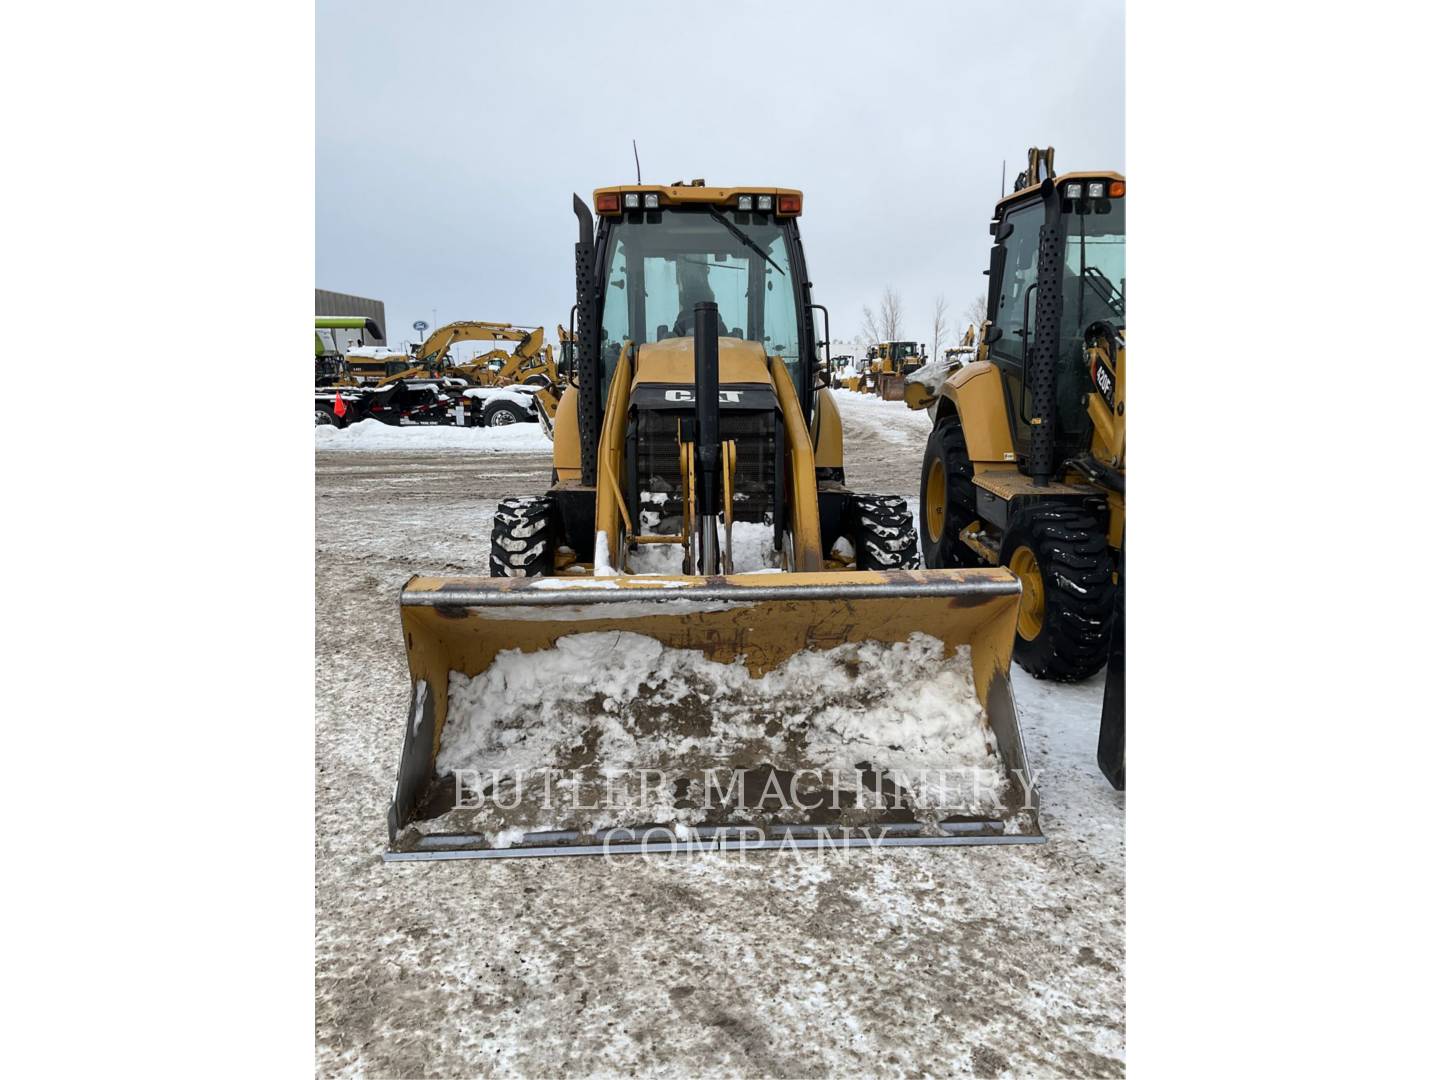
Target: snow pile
column 867, row 415
column 752, row 549
column 372, row 435
column 612, row 704
column 657, row 559
column 932, row 375
column 525, row 398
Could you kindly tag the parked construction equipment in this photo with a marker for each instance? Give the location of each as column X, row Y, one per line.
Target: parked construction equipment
column 530, row 365
column 330, row 366
column 1025, row 466
column 425, row 387
column 694, row 439
column 892, row 362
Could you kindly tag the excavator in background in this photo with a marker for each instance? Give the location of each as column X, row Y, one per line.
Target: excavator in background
column 1025, row 465
column 529, row 369
column 698, row 515
column 377, row 382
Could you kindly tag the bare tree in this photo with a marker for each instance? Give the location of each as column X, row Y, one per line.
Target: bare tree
column 974, row 314
column 939, row 325
column 869, row 328
column 891, row 315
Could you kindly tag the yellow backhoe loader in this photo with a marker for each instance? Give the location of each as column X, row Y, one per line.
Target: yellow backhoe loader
column 1025, row 466
column 698, row 598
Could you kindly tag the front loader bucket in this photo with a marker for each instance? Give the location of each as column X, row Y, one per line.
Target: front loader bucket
column 594, row 715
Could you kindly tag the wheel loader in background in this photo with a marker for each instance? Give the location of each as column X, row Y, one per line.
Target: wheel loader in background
column 1025, row 465
column 893, row 362
column 699, row 521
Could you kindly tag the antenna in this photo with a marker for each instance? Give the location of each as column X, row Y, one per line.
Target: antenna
column 1003, row 165
column 637, row 160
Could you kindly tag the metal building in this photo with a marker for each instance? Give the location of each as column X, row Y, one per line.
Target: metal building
column 338, row 303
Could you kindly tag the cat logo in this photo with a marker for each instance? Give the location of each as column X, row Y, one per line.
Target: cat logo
column 730, row 397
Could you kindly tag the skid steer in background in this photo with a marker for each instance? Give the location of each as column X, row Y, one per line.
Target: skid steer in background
column 696, row 416
column 1025, row 466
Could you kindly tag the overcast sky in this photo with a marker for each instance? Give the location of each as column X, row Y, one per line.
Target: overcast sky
column 451, row 134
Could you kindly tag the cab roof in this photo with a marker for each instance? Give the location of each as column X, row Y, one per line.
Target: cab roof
column 697, row 191
column 1084, row 174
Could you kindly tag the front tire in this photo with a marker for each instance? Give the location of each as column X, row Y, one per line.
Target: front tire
column 947, row 499
column 882, row 532
column 524, row 536
column 1062, row 557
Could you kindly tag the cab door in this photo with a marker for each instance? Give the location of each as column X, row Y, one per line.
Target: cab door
column 1013, row 291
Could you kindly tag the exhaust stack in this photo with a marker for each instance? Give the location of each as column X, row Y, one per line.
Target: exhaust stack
column 707, row 436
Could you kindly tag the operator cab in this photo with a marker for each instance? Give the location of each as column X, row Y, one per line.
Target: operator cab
column 1090, row 213
column 662, row 250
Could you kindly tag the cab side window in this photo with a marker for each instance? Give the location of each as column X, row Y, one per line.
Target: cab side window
column 1017, row 298
column 1021, row 248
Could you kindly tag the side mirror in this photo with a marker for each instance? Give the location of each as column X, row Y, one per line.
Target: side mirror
column 993, row 334
column 825, row 311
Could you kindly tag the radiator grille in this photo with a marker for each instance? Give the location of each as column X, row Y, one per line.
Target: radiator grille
column 656, row 466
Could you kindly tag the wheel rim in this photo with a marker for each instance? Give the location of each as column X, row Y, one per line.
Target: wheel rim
column 1032, row 600
column 935, row 501
column 502, row 417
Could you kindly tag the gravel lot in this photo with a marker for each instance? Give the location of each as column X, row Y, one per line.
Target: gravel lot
column 960, row 962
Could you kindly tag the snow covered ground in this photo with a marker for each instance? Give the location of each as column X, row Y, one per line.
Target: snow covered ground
column 956, row 962
column 372, row 435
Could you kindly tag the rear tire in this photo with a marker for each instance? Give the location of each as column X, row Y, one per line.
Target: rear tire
column 502, row 414
column 947, row 499
column 324, row 418
column 882, row 532
column 1062, row 557
column 524, row 536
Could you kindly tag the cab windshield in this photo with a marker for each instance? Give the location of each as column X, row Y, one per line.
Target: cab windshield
column 1095, row 266
column 1093, row 287
column 657, row 268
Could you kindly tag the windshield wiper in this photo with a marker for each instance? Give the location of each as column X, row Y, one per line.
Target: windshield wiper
column 735, row 232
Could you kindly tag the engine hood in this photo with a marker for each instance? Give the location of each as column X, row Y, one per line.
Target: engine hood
column 672, row 363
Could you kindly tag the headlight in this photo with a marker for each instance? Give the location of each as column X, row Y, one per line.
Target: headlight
column 1072, row 191
column 652, row 201
column 764, row 202
column 632, row 200
column 1096, row 189
column 744, row 202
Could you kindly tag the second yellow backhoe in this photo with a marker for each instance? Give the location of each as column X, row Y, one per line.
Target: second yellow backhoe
column 1025, row 466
